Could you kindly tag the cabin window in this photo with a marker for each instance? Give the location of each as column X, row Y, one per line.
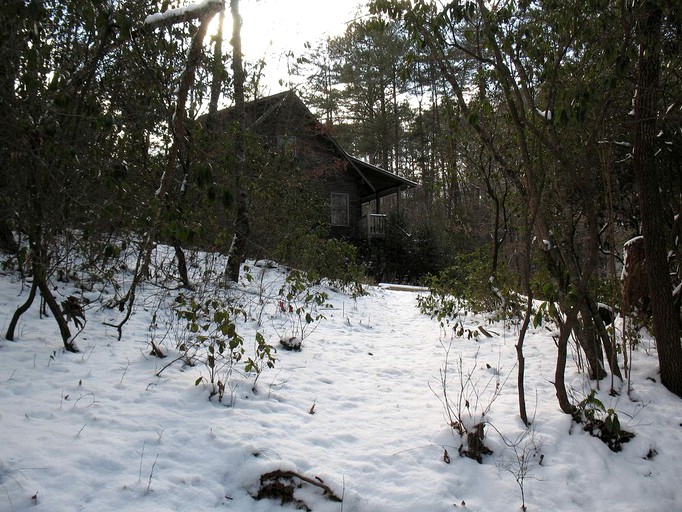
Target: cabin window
column 339, row 203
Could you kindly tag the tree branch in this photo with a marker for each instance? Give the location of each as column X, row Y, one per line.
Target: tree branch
column 192, row 12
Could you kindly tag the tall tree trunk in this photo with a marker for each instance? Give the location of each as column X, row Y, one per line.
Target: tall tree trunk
column 665, row 315
column 179, row 133
column 11, row 17
column 218, row 73
column 242, row 227
column 177, row 156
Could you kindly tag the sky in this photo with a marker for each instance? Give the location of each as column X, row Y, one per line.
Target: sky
column 271, row 28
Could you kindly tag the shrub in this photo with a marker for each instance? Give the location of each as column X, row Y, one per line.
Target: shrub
column 407, row 254
column 213, row 340
column 299, row 304
column 467, row 411
column 468, row 284
column 601, row 422
column 333, row 259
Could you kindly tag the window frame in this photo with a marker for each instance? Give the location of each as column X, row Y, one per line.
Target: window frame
column 337, row 209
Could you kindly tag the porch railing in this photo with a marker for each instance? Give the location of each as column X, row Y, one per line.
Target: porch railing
column 376, row 225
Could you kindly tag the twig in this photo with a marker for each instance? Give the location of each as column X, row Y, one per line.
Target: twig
column 125, row 370
column 431, row 445
column 90, row 394
column 86, row 355
column 151, row 473
column 139, row 477
column 343, row 491
column 158, row 374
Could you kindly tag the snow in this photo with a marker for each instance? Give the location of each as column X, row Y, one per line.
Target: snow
column 633, row 240
column 357, row 408
column 178, row 12
column 547, row 114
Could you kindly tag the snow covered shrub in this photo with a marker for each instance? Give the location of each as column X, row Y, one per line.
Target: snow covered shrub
column 214, row 341
column 293, row 343
column 467, row 411
column 439, row 305
column 601, row 422
column 298, row 304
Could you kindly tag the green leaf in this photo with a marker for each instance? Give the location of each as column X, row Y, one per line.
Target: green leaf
column 537, row 320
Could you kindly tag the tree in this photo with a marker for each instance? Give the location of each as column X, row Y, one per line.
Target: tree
column 242, row 229
column 367, row 60
column 548, row 77
column 665, row 315
column 321, row 93
column 178, row 154
column 55, row 129
column 73, row 135
column 10, row 29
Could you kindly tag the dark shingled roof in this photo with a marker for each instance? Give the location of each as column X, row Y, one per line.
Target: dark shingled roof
column 278, row 114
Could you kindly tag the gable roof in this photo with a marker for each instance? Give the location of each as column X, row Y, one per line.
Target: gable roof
column 274, row 114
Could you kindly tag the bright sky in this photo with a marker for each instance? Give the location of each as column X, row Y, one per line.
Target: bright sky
column 271, row 28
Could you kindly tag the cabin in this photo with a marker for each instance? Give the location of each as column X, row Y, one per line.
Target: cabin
column 357, row 195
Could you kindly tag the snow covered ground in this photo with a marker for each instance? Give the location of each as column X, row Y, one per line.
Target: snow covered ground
column 358, row 409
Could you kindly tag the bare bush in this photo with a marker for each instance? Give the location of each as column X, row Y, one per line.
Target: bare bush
column 466, row 412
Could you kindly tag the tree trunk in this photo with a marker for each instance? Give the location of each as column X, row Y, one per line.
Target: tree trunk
column 665, row 315
column 20, row 311
column 565, row 329
column 521, row 372
column 218, row 73
column 242, row 227
column 563, row 268
column 11, row 17
column 56, row 311
column 177, row 156
column 182, row 264
column 40, row 280
column 590, row 342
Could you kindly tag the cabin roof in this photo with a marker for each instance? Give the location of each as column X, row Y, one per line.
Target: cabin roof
column 286, row 107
